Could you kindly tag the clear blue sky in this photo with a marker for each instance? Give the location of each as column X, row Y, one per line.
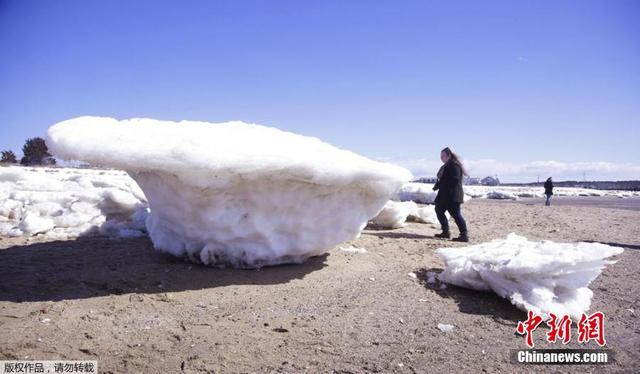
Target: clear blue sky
column 510, row 81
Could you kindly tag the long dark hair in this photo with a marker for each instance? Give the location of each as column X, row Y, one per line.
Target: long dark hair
column 455, row 159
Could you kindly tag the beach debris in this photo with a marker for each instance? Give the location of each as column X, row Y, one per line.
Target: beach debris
column 539, row 276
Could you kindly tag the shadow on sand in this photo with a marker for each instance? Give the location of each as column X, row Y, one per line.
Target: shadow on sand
column 474, row 302
column 625, row 246
column 396, row 235
column 92, row 267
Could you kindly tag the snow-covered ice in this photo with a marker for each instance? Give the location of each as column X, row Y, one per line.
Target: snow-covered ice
column 395, row 214
column 235, row 193
column 544, row 277
column 64, row 203
column 422, row 193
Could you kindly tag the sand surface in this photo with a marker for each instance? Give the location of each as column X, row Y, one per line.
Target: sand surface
column 135, row 310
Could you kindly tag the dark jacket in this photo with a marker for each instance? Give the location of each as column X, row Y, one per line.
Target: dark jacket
column 449, row 186
column 548, row 188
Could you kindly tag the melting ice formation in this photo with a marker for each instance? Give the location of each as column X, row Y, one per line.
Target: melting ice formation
column 395, row 214
column 544, row 277
column 64, row 203
column 234, row 193
column 422, row 193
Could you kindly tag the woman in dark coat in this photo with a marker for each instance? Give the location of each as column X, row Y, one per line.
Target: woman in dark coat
column 450, row 195
column 548, row 190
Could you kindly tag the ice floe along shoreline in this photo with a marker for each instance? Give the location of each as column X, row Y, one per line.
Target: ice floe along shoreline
column 540, row 276
column 70, row 202
column 64, row 203
column 233, row 193
column 423, row 192
column 403, row 205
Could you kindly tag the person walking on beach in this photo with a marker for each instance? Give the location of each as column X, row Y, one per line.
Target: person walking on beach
column 450, row 195
column 548, row 190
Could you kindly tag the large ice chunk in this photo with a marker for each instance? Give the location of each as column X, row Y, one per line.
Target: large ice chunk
column 235, row 193
column 544, row 277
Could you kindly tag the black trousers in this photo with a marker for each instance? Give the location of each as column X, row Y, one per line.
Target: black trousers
column 454, row 210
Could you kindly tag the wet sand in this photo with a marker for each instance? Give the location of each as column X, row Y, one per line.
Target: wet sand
column 137, row 311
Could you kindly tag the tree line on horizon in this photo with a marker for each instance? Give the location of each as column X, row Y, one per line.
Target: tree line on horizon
column 35, row 152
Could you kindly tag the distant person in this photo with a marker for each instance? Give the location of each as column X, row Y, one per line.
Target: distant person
column 450, row 195
column 548, row 190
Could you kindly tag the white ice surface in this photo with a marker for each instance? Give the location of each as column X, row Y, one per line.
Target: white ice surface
column 234, row 193
column 395, row 214
column 422, row 193
column 64, row 203
column 544, row 277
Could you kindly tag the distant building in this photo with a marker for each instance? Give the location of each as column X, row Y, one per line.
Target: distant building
column 471, row 181
column 490, row 181
column 426, row 180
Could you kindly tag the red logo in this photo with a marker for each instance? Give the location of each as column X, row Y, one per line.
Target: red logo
column 559, row 329
column 590, row 327
column 528, row 327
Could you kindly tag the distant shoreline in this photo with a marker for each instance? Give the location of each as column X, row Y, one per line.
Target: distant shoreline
column 633, row 185
column 624, row 185
column 608, row 202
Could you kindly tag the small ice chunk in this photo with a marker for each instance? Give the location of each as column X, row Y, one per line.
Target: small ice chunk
column 33, row 224
column 445, row 328
column 501, row 195
column 395, row 214
column 352, row 249
column 418, row 192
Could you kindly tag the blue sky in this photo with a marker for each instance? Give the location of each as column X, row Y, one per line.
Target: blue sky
column 518, row 88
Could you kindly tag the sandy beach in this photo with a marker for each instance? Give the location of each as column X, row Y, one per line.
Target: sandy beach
column 135, row 310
